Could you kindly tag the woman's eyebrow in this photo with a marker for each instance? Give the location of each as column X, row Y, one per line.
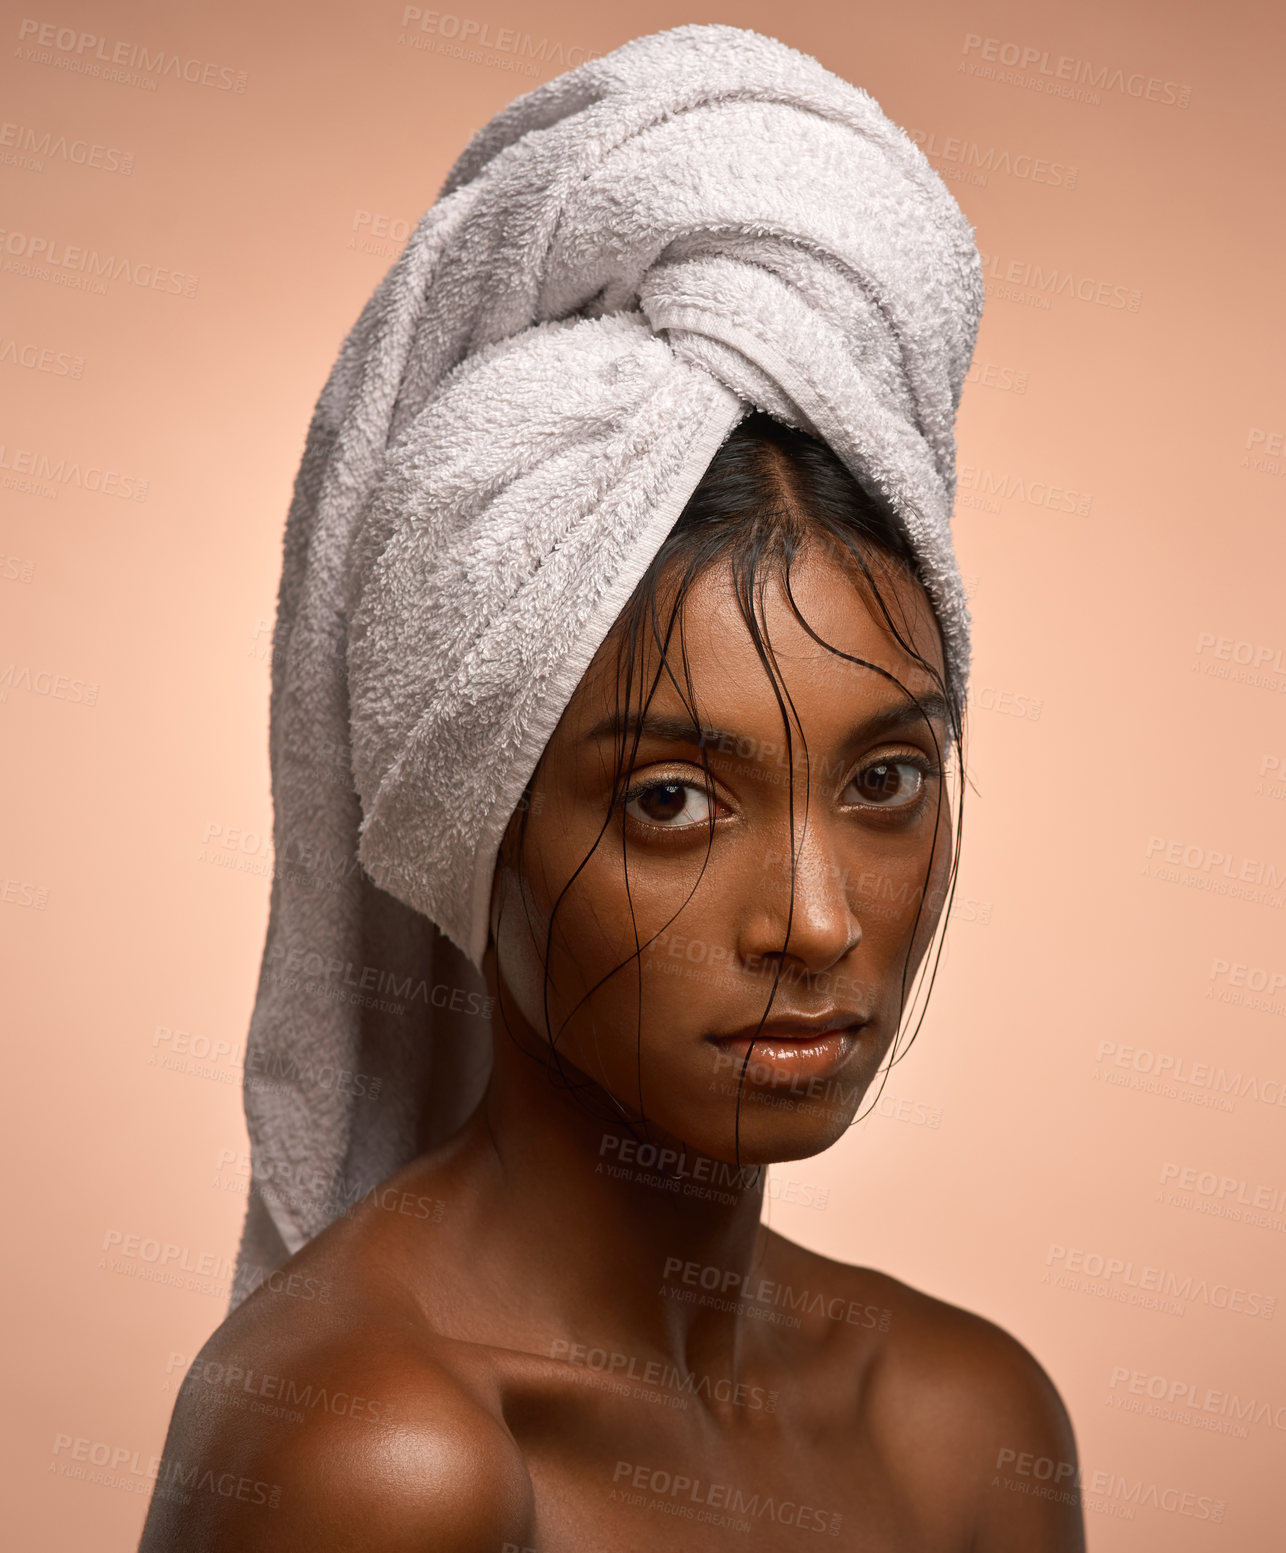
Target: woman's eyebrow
column 683, row 730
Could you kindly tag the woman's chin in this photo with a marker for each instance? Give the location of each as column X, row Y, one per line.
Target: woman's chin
column 712, row 1145
column 773, row 1137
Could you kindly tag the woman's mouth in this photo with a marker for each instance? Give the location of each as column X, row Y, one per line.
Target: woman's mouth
column 785, row 1058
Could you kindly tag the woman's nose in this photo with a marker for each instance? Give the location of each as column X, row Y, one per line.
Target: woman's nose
column 824, row 927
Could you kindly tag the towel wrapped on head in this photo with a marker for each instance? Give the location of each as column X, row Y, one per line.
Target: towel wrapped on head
column 621, row 265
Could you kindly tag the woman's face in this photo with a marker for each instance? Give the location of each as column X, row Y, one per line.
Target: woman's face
column 872, row 836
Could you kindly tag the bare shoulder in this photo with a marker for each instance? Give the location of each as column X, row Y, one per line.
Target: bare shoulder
column 952, row 1355
column 1009, row 1449
column 345, row 1432
column 968, row 1415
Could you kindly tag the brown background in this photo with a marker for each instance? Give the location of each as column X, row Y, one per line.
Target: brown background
column 1123, row 890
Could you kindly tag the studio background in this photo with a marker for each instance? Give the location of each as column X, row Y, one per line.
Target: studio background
column 1084, row 1142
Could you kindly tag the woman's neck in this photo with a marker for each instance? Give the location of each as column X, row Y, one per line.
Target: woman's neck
column 573, row 1229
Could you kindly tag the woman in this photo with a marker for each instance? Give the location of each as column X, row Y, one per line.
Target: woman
column 651, row 662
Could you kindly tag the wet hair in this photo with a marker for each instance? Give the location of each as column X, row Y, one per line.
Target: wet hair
column 769, row 491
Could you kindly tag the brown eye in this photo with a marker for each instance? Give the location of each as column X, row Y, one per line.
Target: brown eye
column 667, row 805
column 890, row 784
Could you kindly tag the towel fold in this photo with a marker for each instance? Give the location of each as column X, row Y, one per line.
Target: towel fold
column 620, row 266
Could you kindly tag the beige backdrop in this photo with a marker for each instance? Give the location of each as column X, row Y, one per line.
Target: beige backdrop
column 1084, row 1143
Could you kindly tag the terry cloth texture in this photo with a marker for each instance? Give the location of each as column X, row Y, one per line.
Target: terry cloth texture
column 620, row 265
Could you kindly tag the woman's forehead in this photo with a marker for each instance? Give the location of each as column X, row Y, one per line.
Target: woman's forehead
column 712, row 644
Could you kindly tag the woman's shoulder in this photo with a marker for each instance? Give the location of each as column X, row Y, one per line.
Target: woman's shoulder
column 962, row 1402
column 922, row 1337
column 299, row 1424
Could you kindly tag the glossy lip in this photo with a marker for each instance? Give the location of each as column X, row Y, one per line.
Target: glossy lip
column 790, row 1048
column 798, row 1026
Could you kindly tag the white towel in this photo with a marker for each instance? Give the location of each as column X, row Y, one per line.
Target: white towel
column 621, row 264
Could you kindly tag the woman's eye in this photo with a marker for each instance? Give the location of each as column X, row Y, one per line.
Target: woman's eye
column 669, row 804
column 890, row 784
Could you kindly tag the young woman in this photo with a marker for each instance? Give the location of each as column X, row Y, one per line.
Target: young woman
column 564, row 1326
column 581, row 1336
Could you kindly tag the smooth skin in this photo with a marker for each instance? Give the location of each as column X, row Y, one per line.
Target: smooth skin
column 525, row 1316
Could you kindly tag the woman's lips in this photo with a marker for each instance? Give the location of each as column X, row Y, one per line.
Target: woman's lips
column 781, row 1058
